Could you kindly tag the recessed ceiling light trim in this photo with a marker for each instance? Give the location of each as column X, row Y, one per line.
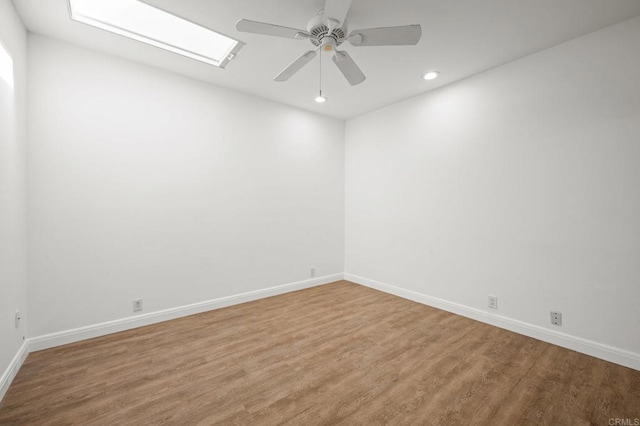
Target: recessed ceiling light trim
column 145, row 23
column 431, row 75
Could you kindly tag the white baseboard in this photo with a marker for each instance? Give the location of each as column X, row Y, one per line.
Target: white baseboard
column 598, row 350
column 96, row 330
column 11, row 371
column 578, row 344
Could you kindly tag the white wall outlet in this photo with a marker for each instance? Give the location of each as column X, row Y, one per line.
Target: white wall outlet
column 493, row 302
column 17, row 319
column 137, row 305
column 312, row 272
column 556, row 318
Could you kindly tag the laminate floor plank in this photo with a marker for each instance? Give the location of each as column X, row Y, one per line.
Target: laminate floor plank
column 334, row 354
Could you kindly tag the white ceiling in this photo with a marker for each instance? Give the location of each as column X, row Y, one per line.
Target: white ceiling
column 459, row 38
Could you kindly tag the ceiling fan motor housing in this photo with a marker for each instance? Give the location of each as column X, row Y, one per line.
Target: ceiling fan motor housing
column 320, row 35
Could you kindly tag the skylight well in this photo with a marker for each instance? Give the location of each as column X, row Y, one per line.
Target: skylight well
column 145, row 23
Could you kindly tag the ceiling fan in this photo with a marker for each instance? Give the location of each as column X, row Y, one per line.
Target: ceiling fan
column 328, row 30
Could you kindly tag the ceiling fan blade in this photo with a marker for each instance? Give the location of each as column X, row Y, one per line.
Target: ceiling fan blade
column 247, row 26
column 296, row 66
column 336, row 10
column 348, row 68
column 386, row 36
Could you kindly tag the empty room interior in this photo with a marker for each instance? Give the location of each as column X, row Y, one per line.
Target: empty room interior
column 312, row 212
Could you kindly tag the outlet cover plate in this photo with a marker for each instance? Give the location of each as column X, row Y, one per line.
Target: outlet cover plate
column 493, row 302
column 556, row 318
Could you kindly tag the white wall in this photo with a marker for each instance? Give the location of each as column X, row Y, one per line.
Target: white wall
column 522, row 182
column 12, row 190
column 145, row 184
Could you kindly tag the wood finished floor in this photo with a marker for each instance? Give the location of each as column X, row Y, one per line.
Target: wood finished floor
column 334, row 354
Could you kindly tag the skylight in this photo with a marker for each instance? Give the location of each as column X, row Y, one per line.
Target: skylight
column 6, row 66
column 145, row 23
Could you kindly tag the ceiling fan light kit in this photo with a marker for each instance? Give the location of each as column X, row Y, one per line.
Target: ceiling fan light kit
column 326, row 32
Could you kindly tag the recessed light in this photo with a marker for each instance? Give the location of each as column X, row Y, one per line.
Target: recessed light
column 431, row 75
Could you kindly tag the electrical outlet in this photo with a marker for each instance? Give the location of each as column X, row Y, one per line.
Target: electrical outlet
column 556, row 318
column 493, row 302
column 137, row 305
column 312, row 272
column 17, row 319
